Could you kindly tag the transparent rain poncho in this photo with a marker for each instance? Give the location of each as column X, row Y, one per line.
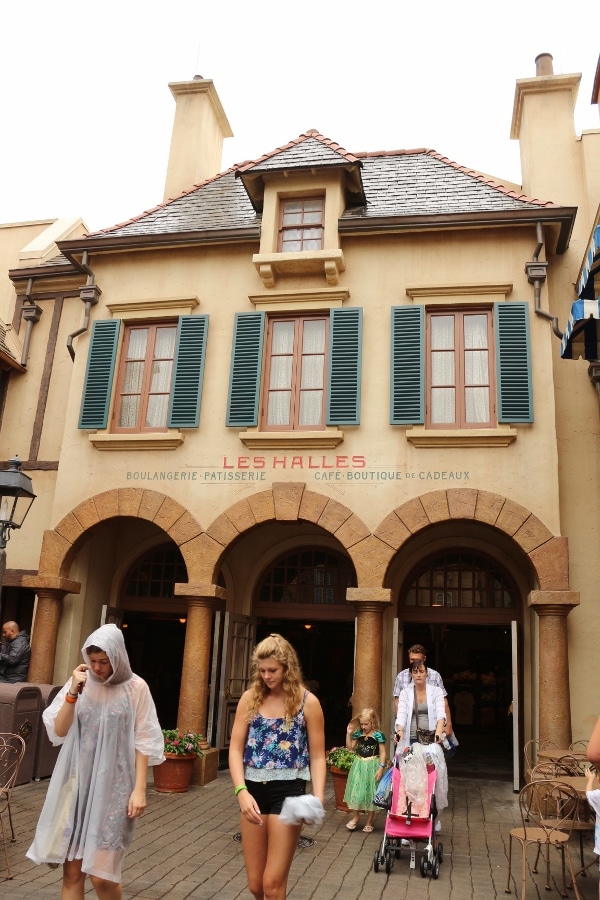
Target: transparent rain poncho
column 85, row 811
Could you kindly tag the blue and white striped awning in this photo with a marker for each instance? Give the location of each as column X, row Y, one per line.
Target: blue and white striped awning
column 581, row 337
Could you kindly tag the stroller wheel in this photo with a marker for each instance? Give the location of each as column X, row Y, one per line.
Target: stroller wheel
column 388, row 861
column 440, row 852
column 423, row 866
column 376, row 861
column 435, row 869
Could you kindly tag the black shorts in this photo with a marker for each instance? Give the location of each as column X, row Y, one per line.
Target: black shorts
column 270, row 794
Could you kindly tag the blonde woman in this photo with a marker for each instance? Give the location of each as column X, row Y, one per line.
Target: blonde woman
column 277, row 744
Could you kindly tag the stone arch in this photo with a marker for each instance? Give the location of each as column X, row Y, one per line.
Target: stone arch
column 548, row 555
column 290, row 502
column 60, row 545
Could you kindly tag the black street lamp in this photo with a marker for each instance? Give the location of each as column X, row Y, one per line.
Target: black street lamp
column 16, row 497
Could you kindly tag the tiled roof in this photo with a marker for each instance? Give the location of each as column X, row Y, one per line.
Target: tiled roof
column 216, row 204
column 424, row 183
column 309, row 149
column 396, row 183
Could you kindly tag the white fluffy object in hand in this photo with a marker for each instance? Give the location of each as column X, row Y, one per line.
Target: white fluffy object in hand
column 305, row 810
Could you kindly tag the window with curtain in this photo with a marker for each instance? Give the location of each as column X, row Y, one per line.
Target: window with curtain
column 145, row 378
column 301, row 224
column 460, row 369
column 294, row 392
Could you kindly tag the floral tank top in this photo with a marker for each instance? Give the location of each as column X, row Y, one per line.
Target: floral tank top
column 276, row 750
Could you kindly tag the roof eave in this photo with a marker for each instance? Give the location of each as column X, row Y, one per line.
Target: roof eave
column 111, row 243
column 563, row 216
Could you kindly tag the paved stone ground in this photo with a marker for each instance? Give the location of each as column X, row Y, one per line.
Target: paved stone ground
column 184, row 847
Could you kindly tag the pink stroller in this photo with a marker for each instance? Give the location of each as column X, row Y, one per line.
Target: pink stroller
column 406, row 822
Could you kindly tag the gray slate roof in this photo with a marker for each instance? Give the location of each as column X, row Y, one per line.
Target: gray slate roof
column 399, row 183
column 310, row 149
column 219, row 203
column 425, row 184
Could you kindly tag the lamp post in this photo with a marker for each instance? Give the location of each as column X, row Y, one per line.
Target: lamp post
column 16, row 497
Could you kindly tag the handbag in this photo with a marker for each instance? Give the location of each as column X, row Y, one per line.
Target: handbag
column 383, row 794
column 424, row 736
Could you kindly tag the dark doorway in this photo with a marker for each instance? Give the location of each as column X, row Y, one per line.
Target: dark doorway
column 155, row 648
column 475, row 662
column 326, row 653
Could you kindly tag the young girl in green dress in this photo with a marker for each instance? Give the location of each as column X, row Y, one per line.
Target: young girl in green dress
column 363, row 736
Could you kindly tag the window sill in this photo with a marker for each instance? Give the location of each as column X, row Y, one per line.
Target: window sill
column 501, row 436
column 163, row 440
column 329, row 263
column 291, row 440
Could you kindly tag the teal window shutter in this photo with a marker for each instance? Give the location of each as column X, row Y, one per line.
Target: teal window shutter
column 345, row 354
column 190, row 352
column 246, row 367
column 99, row 374
column 513, row 362
column 407, row 406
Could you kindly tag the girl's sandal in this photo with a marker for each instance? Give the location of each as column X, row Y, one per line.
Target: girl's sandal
column 368, row 829
column 351, row 825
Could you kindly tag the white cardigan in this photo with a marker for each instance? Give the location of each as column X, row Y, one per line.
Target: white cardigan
column 436, row 709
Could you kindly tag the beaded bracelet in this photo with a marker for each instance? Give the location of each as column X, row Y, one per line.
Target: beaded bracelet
column 241, row 787
column 70, row 698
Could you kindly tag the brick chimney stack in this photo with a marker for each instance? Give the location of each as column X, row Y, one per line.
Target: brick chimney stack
column 199, row 128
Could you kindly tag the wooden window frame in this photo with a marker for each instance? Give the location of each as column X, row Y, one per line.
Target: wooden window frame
column 459, row 315
column 144, row 393
column 296, row 390
column 302, row 227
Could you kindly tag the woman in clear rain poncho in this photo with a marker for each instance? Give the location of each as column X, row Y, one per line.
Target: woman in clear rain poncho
column 105, row 719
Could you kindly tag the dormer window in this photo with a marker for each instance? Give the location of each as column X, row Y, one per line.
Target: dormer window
column 302, row 224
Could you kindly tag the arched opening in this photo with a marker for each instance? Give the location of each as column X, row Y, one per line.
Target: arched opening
column 459, row 603
column 302, row 595
column 154, row 622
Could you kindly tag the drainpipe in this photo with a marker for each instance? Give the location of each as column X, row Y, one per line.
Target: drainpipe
column 90, row 294
column 536, row 275
column 31, row 313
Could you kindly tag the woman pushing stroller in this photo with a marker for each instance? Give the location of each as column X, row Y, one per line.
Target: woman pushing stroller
column 420, row 719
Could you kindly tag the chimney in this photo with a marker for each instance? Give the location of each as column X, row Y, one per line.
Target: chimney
column 543, row 65
column 199, row 128
column 543, row 122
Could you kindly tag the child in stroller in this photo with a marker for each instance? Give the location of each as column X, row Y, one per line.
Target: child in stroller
column 412, row 813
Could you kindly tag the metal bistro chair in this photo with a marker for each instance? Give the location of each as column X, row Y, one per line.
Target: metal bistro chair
column 12, row 749
column 548, row 810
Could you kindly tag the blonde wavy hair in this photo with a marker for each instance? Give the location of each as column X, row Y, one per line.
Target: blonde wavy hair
column 277, row 647
column 368, row 713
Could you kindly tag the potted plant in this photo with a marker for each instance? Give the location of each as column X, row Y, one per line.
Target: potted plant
column 182, row 748
column 339, row 762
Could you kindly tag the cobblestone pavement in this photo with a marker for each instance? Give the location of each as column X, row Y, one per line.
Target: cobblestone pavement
column 184, row 847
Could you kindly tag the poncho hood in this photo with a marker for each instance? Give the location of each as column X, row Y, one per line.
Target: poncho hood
column 110, row 639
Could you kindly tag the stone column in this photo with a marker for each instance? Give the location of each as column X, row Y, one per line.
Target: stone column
column 193, row 694
column 552, row 608
column 50, row 592
column 371, row 604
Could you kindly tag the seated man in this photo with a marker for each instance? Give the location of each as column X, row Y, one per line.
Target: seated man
column 14, row 654
column 417, row 653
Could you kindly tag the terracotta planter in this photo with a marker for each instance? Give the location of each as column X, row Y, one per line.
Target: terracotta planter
column 173, row 776
column 339, row 778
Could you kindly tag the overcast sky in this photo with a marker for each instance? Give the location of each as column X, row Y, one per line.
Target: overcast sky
column 86, row 112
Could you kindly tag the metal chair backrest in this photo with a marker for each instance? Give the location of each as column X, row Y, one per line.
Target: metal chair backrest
column 551, row 806
column 12, row 750
column 550, row 769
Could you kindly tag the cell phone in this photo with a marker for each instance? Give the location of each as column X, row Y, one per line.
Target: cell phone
column 80, row 687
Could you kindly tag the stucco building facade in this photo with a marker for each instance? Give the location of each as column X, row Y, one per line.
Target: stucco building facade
column 321, row 393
